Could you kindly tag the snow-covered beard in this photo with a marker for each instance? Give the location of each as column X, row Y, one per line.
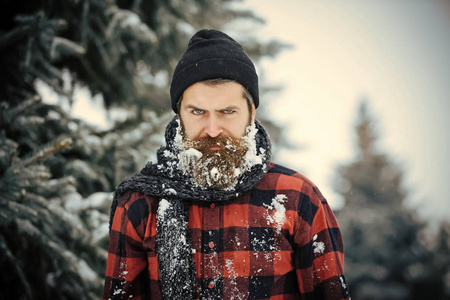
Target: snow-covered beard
column 219, row 169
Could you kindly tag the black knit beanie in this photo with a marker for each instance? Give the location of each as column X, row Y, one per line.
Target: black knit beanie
column 212, row 54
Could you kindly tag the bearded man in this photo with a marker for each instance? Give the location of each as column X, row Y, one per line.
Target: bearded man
column 214, row 218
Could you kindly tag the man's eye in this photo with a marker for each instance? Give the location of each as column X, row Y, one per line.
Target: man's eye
column 197, row 111
column 228, row 111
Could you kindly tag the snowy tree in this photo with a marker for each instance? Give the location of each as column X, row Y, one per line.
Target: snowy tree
column 45, row 248
column 386, row 243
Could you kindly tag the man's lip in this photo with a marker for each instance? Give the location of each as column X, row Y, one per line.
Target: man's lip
column 215, row 147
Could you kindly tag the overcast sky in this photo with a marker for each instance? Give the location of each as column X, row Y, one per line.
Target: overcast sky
column 394, row 53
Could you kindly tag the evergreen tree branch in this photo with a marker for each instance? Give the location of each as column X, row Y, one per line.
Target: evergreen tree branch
column 48, row 150
column 11, row 38
column 8, row 116
column 84, row 24
column 29, row 51
column 62, row 47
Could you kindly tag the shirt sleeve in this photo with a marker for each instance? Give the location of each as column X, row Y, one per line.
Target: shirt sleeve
column 132, row 261
column 319, row 254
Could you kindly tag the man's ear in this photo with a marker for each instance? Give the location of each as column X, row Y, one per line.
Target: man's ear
column 253, row 112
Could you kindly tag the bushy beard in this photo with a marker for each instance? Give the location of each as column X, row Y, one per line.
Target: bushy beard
column 219, row 169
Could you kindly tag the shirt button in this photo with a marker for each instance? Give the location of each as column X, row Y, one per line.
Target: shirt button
column 211, row 245
column 211, row 285
column 212, row 205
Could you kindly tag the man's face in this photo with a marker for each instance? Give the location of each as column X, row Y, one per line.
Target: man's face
column 214, row 110
column 214, row 118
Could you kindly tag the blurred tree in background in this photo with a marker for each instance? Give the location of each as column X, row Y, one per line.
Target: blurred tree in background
column 389, row 252
column 57, row 173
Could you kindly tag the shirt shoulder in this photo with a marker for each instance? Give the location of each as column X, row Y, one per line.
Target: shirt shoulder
column 279, row 178
column 131, row 198
column 137, row 206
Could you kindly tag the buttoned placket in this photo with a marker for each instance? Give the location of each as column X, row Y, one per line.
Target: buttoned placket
column 211, row 221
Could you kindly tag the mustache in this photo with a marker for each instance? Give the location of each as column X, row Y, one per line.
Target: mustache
column 225, row 142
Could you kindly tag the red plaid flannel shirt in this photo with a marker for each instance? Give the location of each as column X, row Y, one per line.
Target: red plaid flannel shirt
column 240, row 249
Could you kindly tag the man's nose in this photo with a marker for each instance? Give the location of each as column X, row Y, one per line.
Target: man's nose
column 213, row 128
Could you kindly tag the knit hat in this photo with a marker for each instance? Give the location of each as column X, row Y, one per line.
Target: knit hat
column 212, row 54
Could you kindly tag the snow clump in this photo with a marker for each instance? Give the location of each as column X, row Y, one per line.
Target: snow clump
column 279, row 216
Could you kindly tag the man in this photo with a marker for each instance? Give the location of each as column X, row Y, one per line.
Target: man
column 214, row 218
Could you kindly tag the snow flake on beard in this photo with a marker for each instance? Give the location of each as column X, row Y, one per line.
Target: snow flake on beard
column 218, row 169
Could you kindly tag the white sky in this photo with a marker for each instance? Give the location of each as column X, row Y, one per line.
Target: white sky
column 396, row 54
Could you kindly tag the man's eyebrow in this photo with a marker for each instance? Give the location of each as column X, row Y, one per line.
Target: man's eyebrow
column 190, row 106
column 231, row 107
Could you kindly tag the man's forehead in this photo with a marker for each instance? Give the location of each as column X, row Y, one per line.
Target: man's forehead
column 217, row 83
column 222, row 95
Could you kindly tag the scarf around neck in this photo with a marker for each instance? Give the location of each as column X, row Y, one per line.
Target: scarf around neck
column 166, row 180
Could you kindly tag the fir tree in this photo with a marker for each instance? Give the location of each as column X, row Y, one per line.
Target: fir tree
column 386, row 255
column 44, row 248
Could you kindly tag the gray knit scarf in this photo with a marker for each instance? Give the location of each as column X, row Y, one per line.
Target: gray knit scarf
column 165, row 180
